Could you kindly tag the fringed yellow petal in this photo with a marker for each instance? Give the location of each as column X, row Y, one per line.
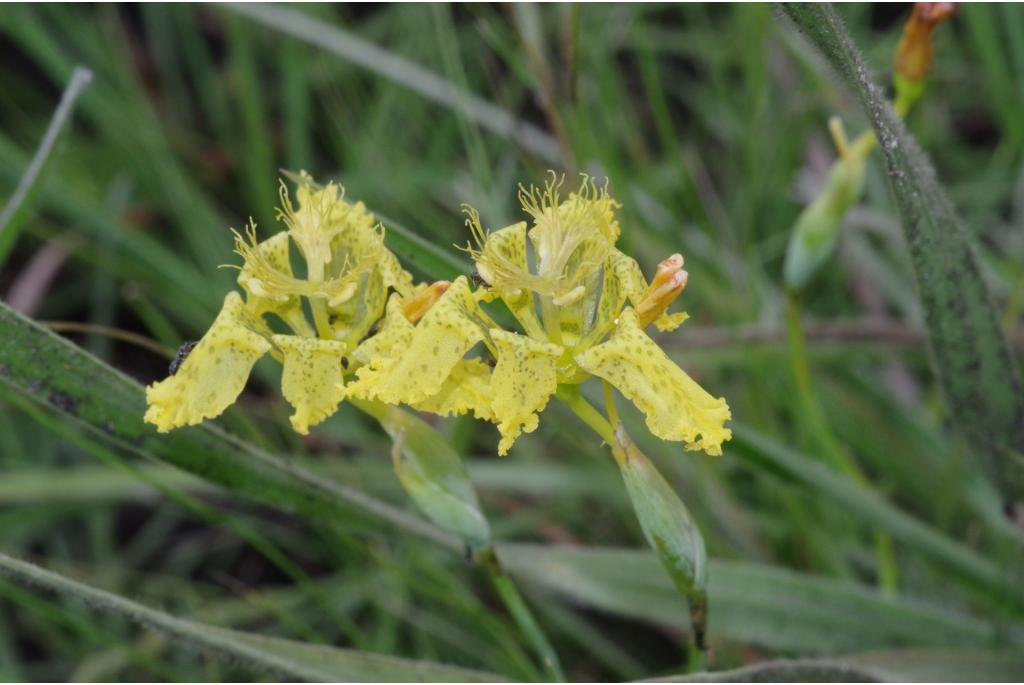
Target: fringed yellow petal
column 269, row 255
column 503, row 266
column 312, row 380
column 467, row 388
column 443, row 337
column 392, row 338
column 267, row 265
column 573, row 238
column 676, row 407
column 313, row 225
column 215, row 372
column 524, row 379
column 510, row 245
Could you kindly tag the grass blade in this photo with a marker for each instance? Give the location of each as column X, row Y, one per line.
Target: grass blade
column 751, row 603
column 19, row 204
column 412, row 76
column 897, row 666
column 297, row 660
column 37, row 365
column 970, row 354
column 875, row 510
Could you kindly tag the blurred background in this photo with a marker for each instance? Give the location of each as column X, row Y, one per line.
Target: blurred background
column 710, row 124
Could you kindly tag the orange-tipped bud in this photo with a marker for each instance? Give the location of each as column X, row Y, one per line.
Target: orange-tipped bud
column 416, row 306
column 669, row 280
column 914, row 55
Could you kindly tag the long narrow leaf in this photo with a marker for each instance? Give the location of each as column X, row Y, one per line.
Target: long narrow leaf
column 898, row 666
column 20, row 203
column 971, row 357
column 257, row 652
column 875, row 510
column 399, row 70
column 750, row 603
column 48, row 369
column 39, row 365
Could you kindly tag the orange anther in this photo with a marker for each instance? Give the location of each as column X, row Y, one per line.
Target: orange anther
column 416, row 306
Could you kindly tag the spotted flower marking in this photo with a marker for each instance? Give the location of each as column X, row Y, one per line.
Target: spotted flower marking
column 349, row 276
column 582, row 306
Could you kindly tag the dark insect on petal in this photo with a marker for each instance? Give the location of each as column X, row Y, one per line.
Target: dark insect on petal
column 181, row 356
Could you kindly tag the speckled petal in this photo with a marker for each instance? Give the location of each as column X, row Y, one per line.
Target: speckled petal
column 362, row 239
column 312, row 380
column 628, row 275
column 675, row 406
column 524, row 379
column 215, row 372
column 467, row 389
column 443, row 337
column 509, row 244
column 392, row 338
column 260, row 298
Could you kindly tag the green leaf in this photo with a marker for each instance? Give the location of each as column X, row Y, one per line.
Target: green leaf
column 970, row 354
column 432, row 260
column 752, row 603
column 90, row 485
column 296, row 660
column 873, row 509
column 37, row 365
column 396, row 69
column 20, row 203
column 897, row 666
column 773, row 608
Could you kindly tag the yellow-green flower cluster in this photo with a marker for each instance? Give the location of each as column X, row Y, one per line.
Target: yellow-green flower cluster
column 348, row 275
column 582, row 305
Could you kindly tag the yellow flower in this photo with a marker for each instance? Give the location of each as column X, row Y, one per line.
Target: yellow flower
column 582, row 305
column 348, row 277
column 424, row 365
column 214, row 373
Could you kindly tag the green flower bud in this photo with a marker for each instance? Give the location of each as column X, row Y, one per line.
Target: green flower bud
column 434, row 476
column 669, row 529
column 816, row 231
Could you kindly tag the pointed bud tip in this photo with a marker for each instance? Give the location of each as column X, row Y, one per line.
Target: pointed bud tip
column 934, row 12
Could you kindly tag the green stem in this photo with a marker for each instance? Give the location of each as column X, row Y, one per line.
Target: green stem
column 609, row 404
column 570, row 395
column 487, row 558
column 521, row 614
column 824, row 437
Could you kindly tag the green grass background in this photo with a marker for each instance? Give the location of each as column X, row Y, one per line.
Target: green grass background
column 709, row 123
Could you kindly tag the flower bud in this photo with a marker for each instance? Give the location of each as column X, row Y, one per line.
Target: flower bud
column 914, row 54
column 668, row 528
column 816, row 230
column 668, row 282
column 415, row 306
column 913, row 59
column 433, row 475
